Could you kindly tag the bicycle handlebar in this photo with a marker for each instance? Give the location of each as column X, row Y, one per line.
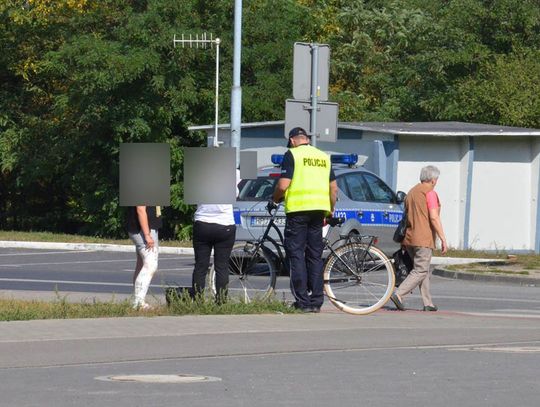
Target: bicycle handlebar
column 335, row 221
column 272, row 206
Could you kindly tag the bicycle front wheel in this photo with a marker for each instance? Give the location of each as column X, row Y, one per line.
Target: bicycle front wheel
column 358, row 279
column 252, row 275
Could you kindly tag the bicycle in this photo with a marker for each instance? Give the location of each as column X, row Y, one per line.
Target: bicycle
column 358, row 277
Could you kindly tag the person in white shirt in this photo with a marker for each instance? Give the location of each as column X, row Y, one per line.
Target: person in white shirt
column 214, row 228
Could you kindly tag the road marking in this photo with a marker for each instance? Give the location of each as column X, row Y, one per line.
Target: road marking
column 502, row 349
column 499, row 314
column 159, row 378
column 525, row 311
column 83, row 262
column 39, row 253
column 160, row 269
column 25, row 280
column 498, row 299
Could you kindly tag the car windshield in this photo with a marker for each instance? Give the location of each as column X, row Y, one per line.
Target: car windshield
column 259, row 189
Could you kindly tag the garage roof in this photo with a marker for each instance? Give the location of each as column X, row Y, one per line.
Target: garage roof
column 441, row 128
column 410, row 128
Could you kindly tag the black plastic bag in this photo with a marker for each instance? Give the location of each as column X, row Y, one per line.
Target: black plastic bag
column 403, row 264
column 401, row 229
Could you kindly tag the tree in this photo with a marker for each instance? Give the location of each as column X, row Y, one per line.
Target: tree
column 505, row 90
column 414, row 60
column 87, row 77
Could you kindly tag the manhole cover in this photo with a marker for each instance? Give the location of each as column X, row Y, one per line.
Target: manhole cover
column 159, row 378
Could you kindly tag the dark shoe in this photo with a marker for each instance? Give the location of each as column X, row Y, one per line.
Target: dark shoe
column 316, row 310
column 305, row 310
column 399, row 305
column 430, row 308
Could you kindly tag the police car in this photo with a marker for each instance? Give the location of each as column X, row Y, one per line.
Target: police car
column 369, row 206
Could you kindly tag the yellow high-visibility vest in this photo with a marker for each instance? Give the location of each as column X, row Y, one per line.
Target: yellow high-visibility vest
column 310, row 186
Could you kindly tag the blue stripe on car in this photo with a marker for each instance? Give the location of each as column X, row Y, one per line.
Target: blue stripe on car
column 370, row 217
column 363, row 216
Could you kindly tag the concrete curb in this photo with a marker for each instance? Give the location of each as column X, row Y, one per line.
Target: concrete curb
column 445, row 261
column 524, row 281
column 89, row 246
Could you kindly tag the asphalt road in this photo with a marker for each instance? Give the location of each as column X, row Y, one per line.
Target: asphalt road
column 481, row 349
column 93, row 272
column 85, row 271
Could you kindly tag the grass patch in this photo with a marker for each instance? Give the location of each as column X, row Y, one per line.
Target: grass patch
column 529, row 261
column 24, row 310
column 65, row 238
column 524, row 264
column 183, row 304
column 488, row 270
column 471, row 254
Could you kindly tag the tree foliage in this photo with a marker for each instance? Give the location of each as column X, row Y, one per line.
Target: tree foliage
column 80, row 77
column 83, row 77
column 420, row 60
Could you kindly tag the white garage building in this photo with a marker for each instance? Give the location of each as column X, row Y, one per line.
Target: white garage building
column 490, row 175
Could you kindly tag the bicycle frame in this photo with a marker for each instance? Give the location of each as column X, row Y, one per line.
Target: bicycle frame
column 260, row 242
column 280, row 257
column 348, row 240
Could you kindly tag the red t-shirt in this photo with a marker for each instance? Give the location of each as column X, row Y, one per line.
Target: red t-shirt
column 432, row 200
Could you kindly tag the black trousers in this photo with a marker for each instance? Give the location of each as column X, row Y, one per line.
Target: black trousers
column 304, row 247
column 221, row 238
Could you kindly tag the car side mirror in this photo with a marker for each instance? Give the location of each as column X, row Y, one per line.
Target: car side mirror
column 400, row 197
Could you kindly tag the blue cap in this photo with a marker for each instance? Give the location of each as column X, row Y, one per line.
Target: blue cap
column 297, row 131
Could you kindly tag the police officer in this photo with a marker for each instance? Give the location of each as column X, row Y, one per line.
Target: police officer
column 309, row 187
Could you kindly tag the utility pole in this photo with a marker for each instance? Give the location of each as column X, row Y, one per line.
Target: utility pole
column 314, row 92
column 236, row 92
column 203, row 41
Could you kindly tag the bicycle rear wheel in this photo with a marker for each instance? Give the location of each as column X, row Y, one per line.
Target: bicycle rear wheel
column 251, row 275
column 357, row 279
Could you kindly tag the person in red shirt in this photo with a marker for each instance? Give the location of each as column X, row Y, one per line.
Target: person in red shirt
column 423, row 209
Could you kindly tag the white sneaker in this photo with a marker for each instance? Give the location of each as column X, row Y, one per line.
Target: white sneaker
column 142, row 306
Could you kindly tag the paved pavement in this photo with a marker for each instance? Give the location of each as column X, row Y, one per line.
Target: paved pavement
column 485, row 352
column 405, row 358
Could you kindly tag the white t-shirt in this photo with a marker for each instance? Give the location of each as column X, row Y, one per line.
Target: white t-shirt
column 221, row 214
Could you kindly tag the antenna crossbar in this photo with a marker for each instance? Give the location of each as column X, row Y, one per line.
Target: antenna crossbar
column 194, row 41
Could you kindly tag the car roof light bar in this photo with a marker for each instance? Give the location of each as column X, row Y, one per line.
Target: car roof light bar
column 277, row 159
column 347, row 159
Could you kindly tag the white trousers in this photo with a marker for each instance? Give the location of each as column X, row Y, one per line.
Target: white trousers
column 147, row 265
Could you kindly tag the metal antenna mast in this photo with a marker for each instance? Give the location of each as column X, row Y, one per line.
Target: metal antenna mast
column 202, row 43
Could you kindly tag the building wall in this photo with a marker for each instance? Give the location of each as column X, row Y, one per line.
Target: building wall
column 445, row 153
column 535, row 195
column 489, row 186
column 501, row 196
